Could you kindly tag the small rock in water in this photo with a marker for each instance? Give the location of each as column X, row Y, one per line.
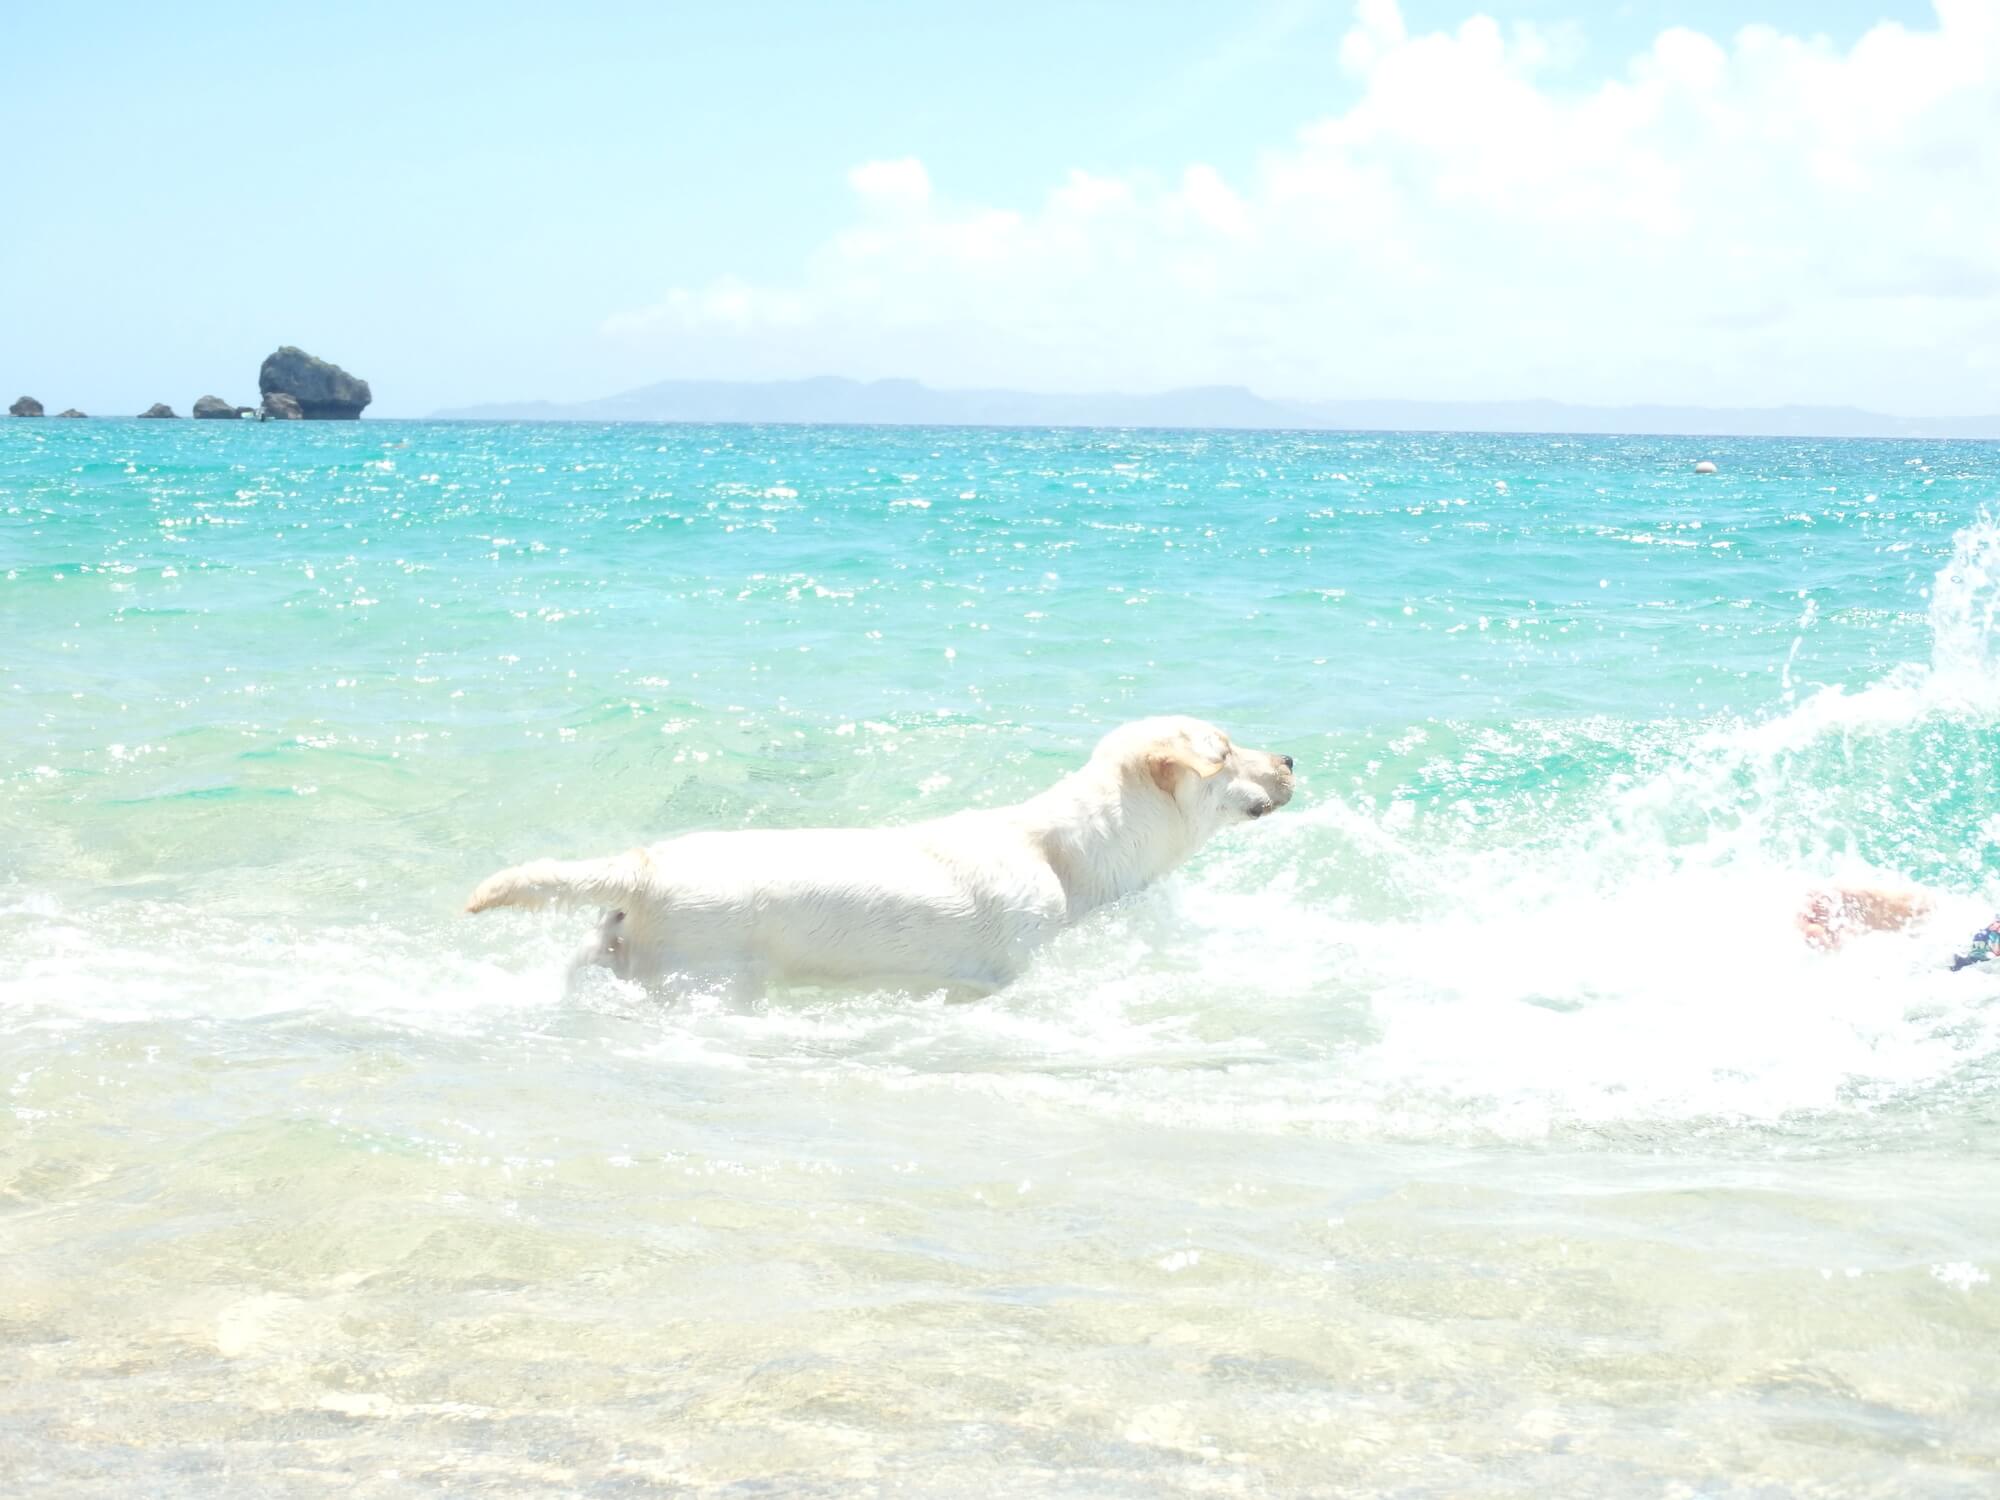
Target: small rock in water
column 214, row 408
column 280, row 407
column 158, row 409
column 27, row 406
column 1704, row 467
column 72, row 412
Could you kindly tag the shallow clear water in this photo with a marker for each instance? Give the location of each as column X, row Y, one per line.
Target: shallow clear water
column 1476, row 1126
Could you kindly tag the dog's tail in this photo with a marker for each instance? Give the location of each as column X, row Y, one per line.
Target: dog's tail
column 565, row 882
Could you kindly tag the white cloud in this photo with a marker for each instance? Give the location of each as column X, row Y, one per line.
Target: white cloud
column 902, row 181
column 1753, row 219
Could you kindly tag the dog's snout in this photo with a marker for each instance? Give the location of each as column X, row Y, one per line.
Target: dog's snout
column 1286, row 761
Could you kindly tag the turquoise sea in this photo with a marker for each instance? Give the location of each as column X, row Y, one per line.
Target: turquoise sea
column 1477, row 1126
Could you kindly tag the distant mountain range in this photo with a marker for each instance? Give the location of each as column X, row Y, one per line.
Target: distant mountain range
column 831, row 399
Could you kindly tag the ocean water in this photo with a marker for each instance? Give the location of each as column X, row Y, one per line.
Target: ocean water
column 1476, row 1126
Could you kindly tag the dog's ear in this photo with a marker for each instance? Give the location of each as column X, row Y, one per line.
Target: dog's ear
column 1167, row 759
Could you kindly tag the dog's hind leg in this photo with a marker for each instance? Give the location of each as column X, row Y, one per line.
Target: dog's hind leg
column 607, row 948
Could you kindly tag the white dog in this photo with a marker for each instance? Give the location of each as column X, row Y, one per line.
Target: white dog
column 958, row 901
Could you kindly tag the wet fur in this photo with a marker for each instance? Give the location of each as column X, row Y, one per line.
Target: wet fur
column 961, row 901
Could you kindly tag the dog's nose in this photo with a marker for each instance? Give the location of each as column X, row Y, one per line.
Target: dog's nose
column 1287, row 760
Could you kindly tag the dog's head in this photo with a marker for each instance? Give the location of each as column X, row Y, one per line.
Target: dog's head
column 1212, row 781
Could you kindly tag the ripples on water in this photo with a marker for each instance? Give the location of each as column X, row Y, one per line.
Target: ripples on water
column 1478, row 1125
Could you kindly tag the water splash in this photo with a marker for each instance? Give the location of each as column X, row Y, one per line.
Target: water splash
column 1965, row 601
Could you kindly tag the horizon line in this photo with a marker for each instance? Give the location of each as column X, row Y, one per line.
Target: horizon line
column 1301, row 404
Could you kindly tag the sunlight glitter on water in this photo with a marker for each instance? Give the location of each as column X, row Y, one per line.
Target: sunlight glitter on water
column 1477, row 1124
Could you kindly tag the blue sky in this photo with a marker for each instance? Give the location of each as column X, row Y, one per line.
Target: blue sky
column 470, row 202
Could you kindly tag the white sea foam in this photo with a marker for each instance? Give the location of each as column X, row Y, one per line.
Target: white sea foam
column 1345, row 968
column 1482, row 1115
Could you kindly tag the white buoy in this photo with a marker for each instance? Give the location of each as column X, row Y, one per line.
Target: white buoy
column 1704, row 467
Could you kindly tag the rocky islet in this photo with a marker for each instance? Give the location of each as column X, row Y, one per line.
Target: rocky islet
column 292, row 384
column 323, row 391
